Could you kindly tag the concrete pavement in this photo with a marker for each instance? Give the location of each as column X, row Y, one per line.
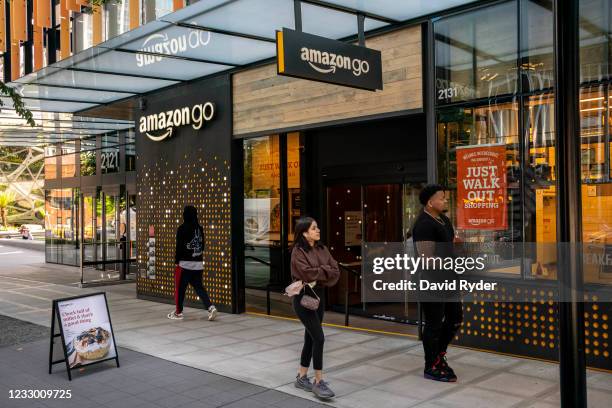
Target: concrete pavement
column 365, row 369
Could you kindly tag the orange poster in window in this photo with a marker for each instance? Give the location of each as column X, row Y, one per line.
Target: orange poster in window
column 481, row 187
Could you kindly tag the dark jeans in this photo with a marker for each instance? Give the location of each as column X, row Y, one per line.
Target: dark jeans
column 193, row 278
column 313, row 335
column 442, row 320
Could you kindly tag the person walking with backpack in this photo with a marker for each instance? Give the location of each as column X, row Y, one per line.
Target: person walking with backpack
column 189, row 266
column 312, row 268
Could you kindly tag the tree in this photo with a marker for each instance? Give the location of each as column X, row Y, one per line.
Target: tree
column 7, row 199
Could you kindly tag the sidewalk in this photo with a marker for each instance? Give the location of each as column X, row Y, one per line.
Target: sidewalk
column 365, row 369
column 142, row 381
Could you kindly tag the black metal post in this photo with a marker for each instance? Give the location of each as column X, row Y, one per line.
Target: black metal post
column 284, row 207
column 569, row 228
column 28, row 46
column 52, row 37
column 429, row 94
column 7, row 34
column 360, row 29
column 297, row 12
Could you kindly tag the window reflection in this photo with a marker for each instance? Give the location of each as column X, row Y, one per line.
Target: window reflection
column 485, row 126
column 69, row 160
column 476, row 54
column 596, row 182
column 536, row 52
column 262, row 206
column 594, row 35
column 50, row 163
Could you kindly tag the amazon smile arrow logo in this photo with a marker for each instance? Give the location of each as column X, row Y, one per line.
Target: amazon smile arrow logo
column 327, row 62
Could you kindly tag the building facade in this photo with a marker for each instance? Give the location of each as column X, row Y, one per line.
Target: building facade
column 273, row 148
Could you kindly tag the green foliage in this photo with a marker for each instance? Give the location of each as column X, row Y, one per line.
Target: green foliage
column 7, row 198
column 17, row 103
column 101, row 3
column 88, row 163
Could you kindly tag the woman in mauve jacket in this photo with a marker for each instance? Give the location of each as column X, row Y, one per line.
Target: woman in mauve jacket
column 312, row 264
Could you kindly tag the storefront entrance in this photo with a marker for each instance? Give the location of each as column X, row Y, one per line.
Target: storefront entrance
column 359, row 181
column 358, row 213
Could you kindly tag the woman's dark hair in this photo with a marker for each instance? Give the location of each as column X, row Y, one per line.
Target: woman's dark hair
column 302, row 225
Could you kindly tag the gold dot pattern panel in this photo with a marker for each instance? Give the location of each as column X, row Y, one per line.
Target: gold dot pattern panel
column 163, row 192
column 495, row 321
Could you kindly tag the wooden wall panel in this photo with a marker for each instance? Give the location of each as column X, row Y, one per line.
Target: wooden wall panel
column 265, row 101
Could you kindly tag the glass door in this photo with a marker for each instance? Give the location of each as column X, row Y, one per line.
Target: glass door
column 358, row 213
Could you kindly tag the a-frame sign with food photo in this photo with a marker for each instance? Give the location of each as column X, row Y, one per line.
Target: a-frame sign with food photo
column 86, row 331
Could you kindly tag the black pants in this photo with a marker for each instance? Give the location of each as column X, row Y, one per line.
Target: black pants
column 313, row 335
column 193, row 278
column 442, row 320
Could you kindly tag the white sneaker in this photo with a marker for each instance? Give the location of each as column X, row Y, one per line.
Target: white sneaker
column 212, row 313
column 175, row 316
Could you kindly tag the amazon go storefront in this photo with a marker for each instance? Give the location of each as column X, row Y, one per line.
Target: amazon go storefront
column 255, row 150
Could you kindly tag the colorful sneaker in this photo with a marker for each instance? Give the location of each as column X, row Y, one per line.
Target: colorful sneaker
column 443, row 364
column 212, row 313
column 175, row 316
column 321, row 390
column 303, row 383
column 437, row 373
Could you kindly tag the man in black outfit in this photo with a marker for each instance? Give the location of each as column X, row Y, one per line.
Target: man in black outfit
column 433, row 235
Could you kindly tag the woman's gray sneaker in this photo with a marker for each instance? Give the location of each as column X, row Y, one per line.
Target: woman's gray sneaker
column 303, row 383
column 321, row 390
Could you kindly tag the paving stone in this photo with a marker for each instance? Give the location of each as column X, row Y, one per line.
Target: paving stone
column 516, row 384
column 364, row 374
column 416, row 387
column 472, row 397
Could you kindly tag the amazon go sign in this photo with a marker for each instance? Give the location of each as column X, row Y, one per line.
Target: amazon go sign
column 307, row 56
column 159, row 126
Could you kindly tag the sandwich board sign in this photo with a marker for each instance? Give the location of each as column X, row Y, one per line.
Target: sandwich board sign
column 85, row 331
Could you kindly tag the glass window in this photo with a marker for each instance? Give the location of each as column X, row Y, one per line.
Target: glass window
column 111, row 204
column 154, row 9
column 262, row 220
column 109, row 156
column 540, row 184
column 476, row 54
column 82, row 27
column 594, row 37
column 537, row 64
column 596, row 182
column 130, row 151
column 68, row 160
column 88, row 157
column 52, row 221
column 117, row 18
column 490, row 131
column 51, row 162
column 293, row 181
column 61, row 209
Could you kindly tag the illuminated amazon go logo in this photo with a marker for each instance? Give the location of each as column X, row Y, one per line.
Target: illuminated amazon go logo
column 159, row 126
column 327, row 62
column 162, row 44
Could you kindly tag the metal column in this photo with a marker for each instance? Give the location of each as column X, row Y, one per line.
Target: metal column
column 569, row 228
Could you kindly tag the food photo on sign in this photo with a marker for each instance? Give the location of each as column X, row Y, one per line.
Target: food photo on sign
column 87, row 330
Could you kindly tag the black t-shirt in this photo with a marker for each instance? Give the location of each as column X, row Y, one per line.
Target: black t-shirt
column 426, row 228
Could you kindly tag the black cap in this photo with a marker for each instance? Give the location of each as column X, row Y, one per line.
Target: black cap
column 428, row 191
